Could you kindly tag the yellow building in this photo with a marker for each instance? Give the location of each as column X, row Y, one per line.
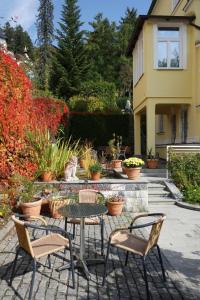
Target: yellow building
column 166, row 82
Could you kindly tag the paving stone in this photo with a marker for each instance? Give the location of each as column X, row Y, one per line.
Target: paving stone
column 121, row 282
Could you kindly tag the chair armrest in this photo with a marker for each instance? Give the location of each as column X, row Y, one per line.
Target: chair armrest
column 49, row 228
column 38, row 218
column 147, row 215
column 130, row 228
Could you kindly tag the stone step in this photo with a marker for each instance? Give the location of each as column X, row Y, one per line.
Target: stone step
column 153, row 171
column 161, row 200
column 152, row 185
column 158, row 192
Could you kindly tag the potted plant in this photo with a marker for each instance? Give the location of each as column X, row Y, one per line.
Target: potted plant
column 29, row 202
column 115, row 205
column 151, row 161
column 114, row 147
column 95, row 170
column 133, row 166
column 56, row 201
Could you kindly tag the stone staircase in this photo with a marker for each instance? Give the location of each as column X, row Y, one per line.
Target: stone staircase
column 159, row 194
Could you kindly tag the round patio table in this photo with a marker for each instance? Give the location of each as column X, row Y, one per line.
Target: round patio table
column 82, row 211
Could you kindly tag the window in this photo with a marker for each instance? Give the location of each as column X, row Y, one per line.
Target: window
column 160, row 123
column 138, row 66
column 170, row 44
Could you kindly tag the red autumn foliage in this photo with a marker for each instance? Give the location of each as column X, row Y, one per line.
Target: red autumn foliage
column 49, row 113
column 18, row 113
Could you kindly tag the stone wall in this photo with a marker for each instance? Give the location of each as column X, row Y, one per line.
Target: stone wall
column 134, row 192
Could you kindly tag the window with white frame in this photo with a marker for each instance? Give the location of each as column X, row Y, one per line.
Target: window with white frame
column 170, row 45
column 174, row 3
column 138, row 64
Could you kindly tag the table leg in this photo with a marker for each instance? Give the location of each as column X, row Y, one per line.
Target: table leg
column 82, row 238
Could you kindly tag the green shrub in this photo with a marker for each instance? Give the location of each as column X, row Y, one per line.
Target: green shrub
column 192, row 194
column 185, row 171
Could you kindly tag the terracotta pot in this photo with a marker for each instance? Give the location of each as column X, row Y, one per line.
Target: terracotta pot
column 54, row 206
column 31, row 208
column 81, row 163
column 95, row 176
column 152, row 163
column 115, row 208
column 47, row 176
column 116, row 163
column 133, row 173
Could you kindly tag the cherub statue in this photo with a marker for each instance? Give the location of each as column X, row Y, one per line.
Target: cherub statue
column 70, row 170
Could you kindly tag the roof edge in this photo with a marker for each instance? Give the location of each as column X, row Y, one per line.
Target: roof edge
column 153, row 3
column 140, row 22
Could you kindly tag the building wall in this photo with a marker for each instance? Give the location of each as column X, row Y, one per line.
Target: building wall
column 171, row 91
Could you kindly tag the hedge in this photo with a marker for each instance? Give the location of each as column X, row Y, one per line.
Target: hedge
column 99, row 128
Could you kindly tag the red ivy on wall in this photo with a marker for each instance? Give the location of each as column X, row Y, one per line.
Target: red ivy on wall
column 18, row 113
column 49, row 113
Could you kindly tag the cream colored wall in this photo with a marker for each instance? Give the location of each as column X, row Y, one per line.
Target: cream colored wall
column 162, row 7
column 161, row 87
column 170, row 83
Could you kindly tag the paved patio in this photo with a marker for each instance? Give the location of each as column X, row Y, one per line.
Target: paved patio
column 180, row 244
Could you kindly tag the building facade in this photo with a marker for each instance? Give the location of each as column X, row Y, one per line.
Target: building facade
column 166, row 82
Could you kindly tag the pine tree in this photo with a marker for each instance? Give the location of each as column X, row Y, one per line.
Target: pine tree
column 17, row 39
column 103, row 49
column 45, row 32
column 70, row 62
column 125, row 29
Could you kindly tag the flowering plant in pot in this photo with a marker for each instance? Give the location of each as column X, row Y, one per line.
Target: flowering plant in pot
column 133, row 166
column 115, row 204
column 152, row 160
column 95, row 170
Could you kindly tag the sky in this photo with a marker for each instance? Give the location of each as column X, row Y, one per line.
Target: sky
column 24, row 11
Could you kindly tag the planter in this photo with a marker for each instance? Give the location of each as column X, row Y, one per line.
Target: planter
column 55, row 204
column 81, row 163
column 133, row 173
column 116, row 163
column 152, row 163
column 31, row 208
column 115, row 208
column 95, row 176
column 47, row 176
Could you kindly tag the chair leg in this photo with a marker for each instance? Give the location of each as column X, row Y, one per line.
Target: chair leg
column 33, row 279
column 106, row 263
column 73, row 235
column 145, row 278
column 72, row 268
column 65, row 224
column 127, row 255
column 14, row 266
column 161, row 262
column 102, row 237
column 49, row 261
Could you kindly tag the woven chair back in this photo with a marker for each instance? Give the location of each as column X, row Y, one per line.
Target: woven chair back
column 155, row 233
column 23, row 236
column 88, row 196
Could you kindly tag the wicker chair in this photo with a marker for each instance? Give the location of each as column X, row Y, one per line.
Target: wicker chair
column 125, row 239
column 89, row 196
column 44, row 246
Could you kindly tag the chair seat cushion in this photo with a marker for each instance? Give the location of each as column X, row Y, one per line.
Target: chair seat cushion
column 129, row 242
column 88, row 221
column 48, row 244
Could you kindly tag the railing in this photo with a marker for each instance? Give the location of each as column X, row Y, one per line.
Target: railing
column 181, row 149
